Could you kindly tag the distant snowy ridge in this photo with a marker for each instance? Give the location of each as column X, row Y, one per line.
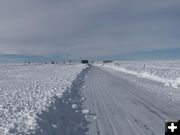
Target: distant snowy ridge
column 165, row 75
column 26, row 90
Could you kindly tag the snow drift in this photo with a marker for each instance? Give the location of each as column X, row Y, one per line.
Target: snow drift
column 167, row 72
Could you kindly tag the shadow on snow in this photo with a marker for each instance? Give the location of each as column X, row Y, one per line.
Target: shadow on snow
column 62, row 118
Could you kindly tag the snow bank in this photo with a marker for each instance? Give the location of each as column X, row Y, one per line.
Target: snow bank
column 26, row 91
column 164, row 72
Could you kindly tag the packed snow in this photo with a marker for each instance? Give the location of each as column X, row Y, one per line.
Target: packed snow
column 27, row 90
column 166, row 72
column 123, row 104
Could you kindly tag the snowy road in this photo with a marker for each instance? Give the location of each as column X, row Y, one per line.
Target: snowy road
column 119, row 107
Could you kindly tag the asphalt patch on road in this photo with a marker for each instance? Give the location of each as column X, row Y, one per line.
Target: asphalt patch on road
column 65, row 116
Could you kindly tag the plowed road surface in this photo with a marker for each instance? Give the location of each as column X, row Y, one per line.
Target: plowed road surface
column 118, row 107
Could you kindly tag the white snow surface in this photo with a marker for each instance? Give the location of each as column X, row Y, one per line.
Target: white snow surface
column 27, row 90
column 85, row 111
column 166, row 72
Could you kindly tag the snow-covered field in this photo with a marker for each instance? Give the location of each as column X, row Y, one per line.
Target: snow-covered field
column 167, row 72
column 27, row 90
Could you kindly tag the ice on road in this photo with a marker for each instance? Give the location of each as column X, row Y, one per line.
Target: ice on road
column 119, row 106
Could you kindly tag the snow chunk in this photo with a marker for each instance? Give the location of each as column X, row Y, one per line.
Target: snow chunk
column 176, row 83
column 85, row 111
column 74, row 106
column 54, row 126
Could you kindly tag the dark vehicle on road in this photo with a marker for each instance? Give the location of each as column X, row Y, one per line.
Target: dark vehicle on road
column 84, row 61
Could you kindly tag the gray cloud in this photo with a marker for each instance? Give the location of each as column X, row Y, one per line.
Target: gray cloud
column 88, row 27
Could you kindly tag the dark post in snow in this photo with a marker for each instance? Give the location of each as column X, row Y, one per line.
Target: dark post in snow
column 24, row 62
column 70, row 62
column 144, row 66
column 52, row 62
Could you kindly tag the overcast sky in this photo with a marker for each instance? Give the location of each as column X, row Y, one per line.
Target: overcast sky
column 89, row 28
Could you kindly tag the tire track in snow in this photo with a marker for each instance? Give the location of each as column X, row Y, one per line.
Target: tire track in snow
column 125, row 109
